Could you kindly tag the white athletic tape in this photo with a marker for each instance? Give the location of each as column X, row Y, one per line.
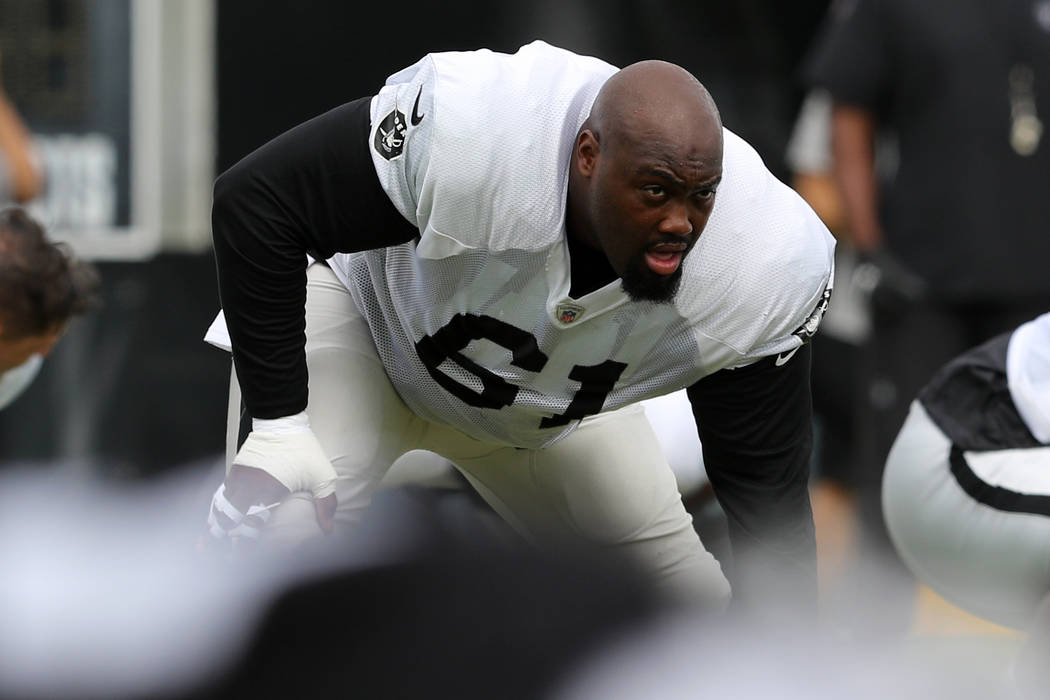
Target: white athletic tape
column 261, row 512
column 246, row 531
column 221, row 504
column 291, row 454
column 220, row 501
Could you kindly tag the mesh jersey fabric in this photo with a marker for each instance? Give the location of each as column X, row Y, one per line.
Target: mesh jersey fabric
column 473, row 321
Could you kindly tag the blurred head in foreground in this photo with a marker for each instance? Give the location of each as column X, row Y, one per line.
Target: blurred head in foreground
column 42, row 286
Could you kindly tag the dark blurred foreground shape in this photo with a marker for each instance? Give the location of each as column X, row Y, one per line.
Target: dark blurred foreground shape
column 461, row 620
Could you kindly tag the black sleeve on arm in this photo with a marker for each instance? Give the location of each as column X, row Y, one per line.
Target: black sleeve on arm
column 311, row 190
column 755, row 426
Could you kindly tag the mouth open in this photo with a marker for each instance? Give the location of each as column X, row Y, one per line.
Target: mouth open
column 664, row 258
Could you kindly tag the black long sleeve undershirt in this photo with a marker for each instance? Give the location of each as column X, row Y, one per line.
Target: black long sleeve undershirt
column 311, row 190
column 755, row 425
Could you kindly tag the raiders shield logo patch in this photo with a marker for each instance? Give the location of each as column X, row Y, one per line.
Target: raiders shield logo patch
column 389, row 141
column 568, row 312
column 808, row 329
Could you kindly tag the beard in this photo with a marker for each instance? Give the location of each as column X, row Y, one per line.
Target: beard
column 640, row 283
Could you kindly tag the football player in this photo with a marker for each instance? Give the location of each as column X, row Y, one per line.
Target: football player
column 966, row 491
column 511, row 259
column 41, row 288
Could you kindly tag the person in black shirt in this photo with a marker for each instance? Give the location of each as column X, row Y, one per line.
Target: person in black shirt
column 955, row 246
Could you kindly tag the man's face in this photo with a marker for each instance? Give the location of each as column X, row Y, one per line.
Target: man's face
column 651, row 201
column 15, row 351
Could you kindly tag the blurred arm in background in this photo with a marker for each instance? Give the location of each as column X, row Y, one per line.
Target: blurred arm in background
column 20, row 177
column 853, row 148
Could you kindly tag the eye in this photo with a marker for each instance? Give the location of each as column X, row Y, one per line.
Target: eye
column 705, row 195
column 655, row 191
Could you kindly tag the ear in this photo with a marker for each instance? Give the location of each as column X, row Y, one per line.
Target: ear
column 587, row 152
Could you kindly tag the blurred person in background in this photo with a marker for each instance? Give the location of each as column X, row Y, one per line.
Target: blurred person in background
column 836, row 373
column 841, row 366
column 954, row 248
column 499, row 224
column 42, row 286
column 966, row 490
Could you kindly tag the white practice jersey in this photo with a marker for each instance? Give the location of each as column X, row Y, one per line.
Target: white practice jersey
column 474, row 322
column 1028, row 375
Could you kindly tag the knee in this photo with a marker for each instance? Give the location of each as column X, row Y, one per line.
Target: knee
column 616, row 511
column 694, row 578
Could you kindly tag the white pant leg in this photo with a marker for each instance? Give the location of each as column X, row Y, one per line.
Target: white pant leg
column 993, row 563
column 606, row 484
column 233, row 418
column 670, row 416
column 358, row 417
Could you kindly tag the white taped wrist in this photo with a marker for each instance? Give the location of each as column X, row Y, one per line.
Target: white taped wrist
column 299, row 423
column 295, row 458
column 238, row 526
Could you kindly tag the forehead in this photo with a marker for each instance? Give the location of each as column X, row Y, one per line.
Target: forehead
column 696, row 155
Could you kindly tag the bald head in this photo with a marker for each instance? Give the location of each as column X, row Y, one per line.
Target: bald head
column 653, row 98
column 643, row 174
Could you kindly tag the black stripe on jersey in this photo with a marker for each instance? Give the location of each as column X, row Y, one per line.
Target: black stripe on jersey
column 991, row 495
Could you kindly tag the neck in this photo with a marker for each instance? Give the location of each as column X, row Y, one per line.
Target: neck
column 589, row 269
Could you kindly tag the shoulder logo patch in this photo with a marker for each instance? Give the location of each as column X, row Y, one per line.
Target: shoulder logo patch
column 809, row 328
column 390, row 135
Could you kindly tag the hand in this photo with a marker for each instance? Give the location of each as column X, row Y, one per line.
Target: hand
column 890, row 285
column 272, row 463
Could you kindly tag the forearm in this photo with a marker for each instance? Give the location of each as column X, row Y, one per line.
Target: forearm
column 770, row 526
column 263, row 293
column 755, row 426
column 853, row 151
column 15, row 146
column 311, row 190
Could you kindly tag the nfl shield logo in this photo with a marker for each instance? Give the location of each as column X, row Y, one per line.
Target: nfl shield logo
column 567, row 313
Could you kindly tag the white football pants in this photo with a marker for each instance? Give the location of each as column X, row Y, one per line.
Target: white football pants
column 607, row 484
column 989, row 558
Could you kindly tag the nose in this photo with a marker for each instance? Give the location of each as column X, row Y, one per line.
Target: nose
column 676, row 220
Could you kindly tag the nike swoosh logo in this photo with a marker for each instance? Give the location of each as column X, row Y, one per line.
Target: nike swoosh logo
column 416, row 116
column 782, row 358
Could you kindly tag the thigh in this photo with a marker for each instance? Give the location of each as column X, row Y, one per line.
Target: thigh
column 671, row 418
column 607, row 485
